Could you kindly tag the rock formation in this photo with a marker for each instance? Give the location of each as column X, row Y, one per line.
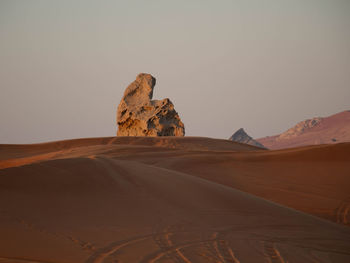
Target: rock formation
column 242, row 137
column 139, row 115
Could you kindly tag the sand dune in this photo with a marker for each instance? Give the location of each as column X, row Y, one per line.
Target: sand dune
column 173, row 200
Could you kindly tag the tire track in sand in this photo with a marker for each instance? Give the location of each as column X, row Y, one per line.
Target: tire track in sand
column 223, row 250
column 164, row 243
column 342, row 212
column 154, row 257
column 220, row 251
column 100, row 255
column 212, row 253
column 272, row 253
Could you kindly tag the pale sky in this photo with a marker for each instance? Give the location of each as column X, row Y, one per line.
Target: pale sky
column 263, row 65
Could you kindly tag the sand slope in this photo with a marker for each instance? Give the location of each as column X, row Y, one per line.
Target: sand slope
column 172, row 200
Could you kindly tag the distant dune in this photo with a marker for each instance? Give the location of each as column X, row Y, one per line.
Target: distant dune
column 173, row 199
column 329, row 130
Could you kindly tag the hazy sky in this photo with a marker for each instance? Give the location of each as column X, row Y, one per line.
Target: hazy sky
column 259, row 64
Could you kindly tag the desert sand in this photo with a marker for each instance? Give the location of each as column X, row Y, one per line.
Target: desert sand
column 173, row 199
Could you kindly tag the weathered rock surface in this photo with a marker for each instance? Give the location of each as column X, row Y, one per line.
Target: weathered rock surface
column 242, row 137
column 139, row 115
column 300, row 128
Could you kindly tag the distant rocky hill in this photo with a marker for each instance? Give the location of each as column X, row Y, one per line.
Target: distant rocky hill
column 242, row 137
column 332, row 129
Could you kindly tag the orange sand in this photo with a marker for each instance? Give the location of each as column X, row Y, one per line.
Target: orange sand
column 190, row 199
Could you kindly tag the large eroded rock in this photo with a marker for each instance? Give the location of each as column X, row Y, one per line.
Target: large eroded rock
column 139, row 115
